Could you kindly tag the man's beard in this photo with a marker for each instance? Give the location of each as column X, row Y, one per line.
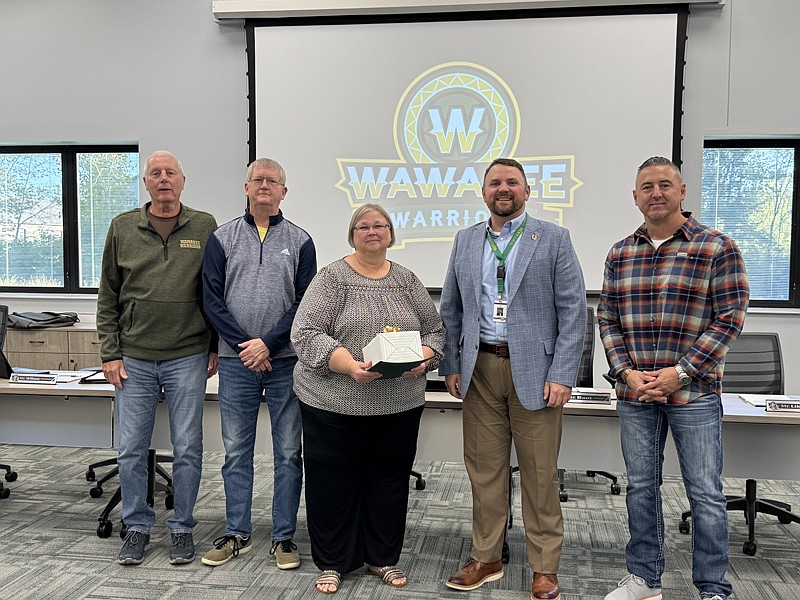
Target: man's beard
column 516, row 204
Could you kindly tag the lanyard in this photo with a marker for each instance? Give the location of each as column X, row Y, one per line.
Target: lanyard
column 501, row 256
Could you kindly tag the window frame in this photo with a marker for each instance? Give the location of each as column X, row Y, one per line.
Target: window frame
column 793, row 300
column 69, row 213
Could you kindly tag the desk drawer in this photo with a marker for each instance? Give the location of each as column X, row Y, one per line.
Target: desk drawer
column 39, row 360
column 84, row 342
column 37, row 341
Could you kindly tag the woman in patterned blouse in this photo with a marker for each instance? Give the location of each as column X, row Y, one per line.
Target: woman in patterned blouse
column 360, row 429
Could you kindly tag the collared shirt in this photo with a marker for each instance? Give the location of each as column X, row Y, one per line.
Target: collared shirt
column 682, row 303
column 491, row 332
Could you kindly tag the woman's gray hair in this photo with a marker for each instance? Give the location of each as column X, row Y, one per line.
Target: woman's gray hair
column 359, row 213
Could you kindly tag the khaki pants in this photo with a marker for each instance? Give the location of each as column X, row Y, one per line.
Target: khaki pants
column 493, row 416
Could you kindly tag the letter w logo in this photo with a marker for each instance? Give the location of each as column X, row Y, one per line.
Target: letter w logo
column 456, row 125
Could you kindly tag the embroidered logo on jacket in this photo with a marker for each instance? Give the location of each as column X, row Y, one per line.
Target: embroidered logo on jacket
column 190, row 244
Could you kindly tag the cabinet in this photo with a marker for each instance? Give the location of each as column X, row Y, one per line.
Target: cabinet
column 84, row 350
column 66, row 349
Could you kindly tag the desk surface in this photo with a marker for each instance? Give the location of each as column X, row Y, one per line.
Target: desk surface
column 757, row 443
column 736, row 410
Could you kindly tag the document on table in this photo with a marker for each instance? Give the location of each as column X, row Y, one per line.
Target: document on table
column 760, row 400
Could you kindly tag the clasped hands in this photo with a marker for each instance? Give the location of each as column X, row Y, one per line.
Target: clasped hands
column 654, row 386
column 255, row 355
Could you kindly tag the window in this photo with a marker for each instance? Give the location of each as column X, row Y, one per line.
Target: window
column 57, row 203
column 749, row 193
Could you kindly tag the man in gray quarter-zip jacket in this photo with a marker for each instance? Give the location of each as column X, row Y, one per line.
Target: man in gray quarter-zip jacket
column 256, row 270
column 153, row 335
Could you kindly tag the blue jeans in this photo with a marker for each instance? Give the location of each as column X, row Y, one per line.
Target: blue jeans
column 184, row 384
column 697, row 433
column 240, row 393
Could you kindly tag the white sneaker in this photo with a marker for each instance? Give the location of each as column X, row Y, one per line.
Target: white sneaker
column 634, row 588
column 717, row 597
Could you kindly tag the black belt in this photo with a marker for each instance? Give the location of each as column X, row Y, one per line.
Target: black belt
column 501, row 351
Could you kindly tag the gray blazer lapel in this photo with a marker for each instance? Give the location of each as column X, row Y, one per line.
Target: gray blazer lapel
column 527, row 246
column 477, row 238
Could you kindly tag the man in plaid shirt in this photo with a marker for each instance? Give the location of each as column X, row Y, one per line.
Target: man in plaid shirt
column 674, row 298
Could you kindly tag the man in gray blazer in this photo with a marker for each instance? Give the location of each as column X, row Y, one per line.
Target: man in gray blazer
column 514, row 305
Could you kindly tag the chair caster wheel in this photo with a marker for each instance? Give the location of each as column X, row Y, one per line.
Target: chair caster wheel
column 615, row 489
column 749, row 548
column 104, row 529
column 590, row 473
column 169, row 501
column 11, row 476
column 563, row 496
column 420, row 485
column 123, row 531
column 505, row 555
column 90, row 476
column 683, row 527
column 781, row 518
column 95, row 492
column 5, row 493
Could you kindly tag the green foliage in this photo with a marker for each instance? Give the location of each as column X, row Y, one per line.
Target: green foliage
column 31, row 225
column 748, row 194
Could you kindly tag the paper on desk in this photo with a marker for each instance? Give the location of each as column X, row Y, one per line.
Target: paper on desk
column 760, row 400
column 68, row 377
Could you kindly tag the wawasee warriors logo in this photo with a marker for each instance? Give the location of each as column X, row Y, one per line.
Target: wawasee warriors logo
column 452, row 121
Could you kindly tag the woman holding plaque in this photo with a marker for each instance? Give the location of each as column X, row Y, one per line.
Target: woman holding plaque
column 359, row 427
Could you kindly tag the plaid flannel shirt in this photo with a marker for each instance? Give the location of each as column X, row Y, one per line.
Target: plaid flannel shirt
column 683, row 303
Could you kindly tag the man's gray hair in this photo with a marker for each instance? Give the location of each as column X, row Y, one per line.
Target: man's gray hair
column 270, row 164
column 658, row 161
column 165, row 153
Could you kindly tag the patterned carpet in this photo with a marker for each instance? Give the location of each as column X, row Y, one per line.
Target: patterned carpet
column 49, row 549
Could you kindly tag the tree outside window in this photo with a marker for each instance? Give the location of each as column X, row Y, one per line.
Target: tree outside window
column 749, row 194
column 57, row 203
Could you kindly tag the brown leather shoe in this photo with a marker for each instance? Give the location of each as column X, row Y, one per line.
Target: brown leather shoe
column 545, row 587
column 474, row 574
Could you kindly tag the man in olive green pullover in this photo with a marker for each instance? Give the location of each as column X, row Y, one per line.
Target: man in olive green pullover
column 154, row 336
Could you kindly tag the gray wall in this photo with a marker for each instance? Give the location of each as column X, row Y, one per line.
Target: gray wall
column 163, row 74
column 166, row 75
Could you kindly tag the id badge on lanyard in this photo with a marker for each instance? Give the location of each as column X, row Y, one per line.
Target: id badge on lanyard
column 499, row 309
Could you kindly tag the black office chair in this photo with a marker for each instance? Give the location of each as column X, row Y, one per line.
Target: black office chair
column 753, row 365
column 585, row 379
column 154, row 470
column 6, row 373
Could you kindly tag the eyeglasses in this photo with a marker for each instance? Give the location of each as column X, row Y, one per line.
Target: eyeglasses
column 270, row 181
column 365, row 228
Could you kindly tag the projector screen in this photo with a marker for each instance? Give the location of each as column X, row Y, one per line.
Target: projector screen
column 409, row 114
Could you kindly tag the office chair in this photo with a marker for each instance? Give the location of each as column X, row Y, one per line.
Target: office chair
column 584, row 379
column 154, row 469
column 753, row 365
column 9, row 475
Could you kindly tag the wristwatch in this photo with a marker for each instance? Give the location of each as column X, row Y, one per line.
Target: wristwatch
column 624, row 374
column 683, row 376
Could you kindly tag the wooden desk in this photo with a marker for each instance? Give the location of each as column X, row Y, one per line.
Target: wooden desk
column 66, row 414
column 757, row 444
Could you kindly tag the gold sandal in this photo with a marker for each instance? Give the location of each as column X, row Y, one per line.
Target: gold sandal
column 389, row 575
column 329, row 577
